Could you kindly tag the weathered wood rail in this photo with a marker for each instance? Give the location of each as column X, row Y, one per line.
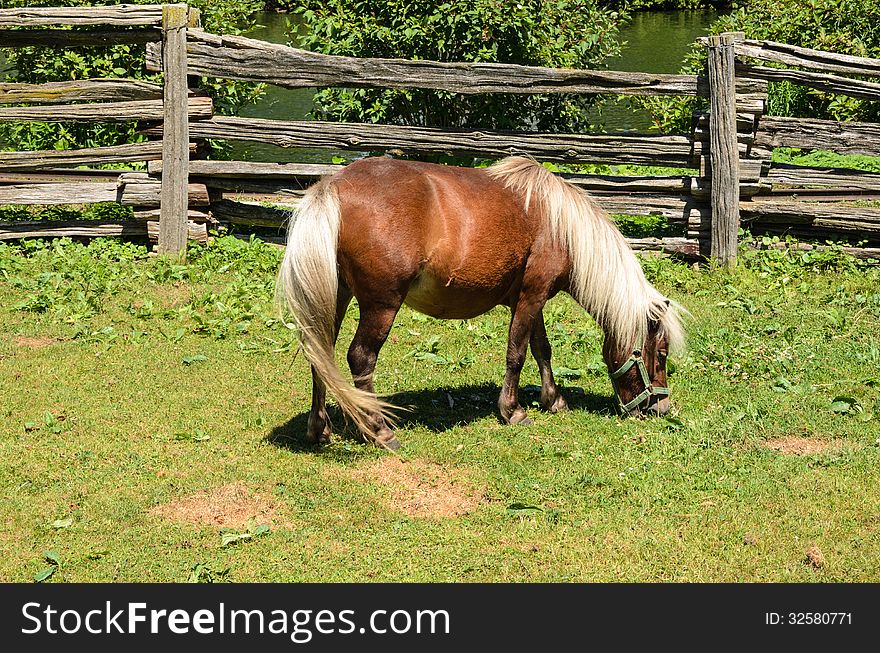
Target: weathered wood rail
column 237, row 57
column 87, row 90
column 674, row 151
column 119, row 15
column 729, row 178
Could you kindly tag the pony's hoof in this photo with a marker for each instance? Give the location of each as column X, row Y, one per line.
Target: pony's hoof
column 319, row 431
column 387, row 440
column 520, row 418
column 558, row 406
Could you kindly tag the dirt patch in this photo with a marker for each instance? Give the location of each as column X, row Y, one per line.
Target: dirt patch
column 422, row 489
column 796, row 446
column 750, row 539
column 231, row 506
column 171, row 296
column 814, row 557
column 33, row 342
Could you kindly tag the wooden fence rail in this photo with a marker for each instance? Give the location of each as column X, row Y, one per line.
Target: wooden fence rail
column 86, row 90
column 138, row 110
column 238, row 57
column 566, row 148
column 16, row 38
column 122, row 15
column 812, row 134
column 727, row 173
column 793, row 55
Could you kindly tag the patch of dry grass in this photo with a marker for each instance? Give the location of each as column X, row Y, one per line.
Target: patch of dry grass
column 230, row 506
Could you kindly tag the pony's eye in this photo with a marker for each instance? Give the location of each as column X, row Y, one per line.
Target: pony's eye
column 662, row 353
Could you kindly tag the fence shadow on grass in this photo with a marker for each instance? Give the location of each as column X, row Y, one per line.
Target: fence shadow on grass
column 439, row 410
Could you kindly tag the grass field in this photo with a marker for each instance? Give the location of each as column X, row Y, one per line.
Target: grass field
column 151, row 422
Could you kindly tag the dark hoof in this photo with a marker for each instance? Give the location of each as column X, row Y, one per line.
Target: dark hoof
column 553, row 402
column 392, row 444
column 318, row 431
column 385, row 439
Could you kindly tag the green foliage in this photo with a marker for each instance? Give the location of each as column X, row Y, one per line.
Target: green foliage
column 75, row 281
column 556, row 33
column 644, row 226
column 844, row 26
column 206, row 573
column 666, row 5
column 776, row 255
column 101, row 211
column 617, row 170
column 823, row 158
column 54, row 561
column 230, row 537
column 48, row 64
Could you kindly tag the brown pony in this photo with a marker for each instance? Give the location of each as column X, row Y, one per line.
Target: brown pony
column 453, row 243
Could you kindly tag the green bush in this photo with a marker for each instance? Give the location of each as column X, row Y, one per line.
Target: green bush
column 43, row 64
column 102, row 211
column 557, row 33
column 844, row 26
column 666, row 5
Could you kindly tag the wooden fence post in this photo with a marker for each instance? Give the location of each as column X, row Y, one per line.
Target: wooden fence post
column 723, row 151
column 175, row 133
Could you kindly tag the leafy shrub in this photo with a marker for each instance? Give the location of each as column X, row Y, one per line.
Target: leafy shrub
column 844, row 26
column 46, row 64
column 825, row 159
column 773, row 254
column 561, row 33
column 102, row 211
column 664, row 5
column 647, row 226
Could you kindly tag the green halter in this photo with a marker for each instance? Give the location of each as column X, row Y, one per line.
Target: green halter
column 637, row 360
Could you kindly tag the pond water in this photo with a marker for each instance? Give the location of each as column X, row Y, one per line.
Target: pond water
column 655, row 42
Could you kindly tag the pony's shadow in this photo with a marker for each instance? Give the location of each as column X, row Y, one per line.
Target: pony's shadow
column 438, row 410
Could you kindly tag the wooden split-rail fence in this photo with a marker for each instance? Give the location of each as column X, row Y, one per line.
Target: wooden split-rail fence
column 730, row 181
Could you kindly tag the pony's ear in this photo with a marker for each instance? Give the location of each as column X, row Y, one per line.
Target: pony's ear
column 658, row 310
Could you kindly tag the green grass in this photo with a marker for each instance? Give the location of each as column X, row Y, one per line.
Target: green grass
column 102, row 211
column 129, row 382
column 824, row 158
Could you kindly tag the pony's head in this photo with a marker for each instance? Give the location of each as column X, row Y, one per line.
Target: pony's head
column 641, row 326
column 638, row 369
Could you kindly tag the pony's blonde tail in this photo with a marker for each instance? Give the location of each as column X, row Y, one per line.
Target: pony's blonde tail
column 307, row 286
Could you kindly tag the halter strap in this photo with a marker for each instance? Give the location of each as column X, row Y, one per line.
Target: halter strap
column 637, row 360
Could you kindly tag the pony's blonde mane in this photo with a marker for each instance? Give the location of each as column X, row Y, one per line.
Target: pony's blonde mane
column 606, row 278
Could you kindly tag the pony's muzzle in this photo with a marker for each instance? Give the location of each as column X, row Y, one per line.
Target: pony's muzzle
column 656, row 408
column 659, row 408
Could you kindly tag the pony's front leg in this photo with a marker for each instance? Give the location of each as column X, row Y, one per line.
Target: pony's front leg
column 551, row 398
column 522, row 320
column 372, row 331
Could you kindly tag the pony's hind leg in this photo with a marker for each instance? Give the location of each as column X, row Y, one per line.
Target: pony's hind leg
column 319, row 428
column 372, row 331
column 551, row 398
